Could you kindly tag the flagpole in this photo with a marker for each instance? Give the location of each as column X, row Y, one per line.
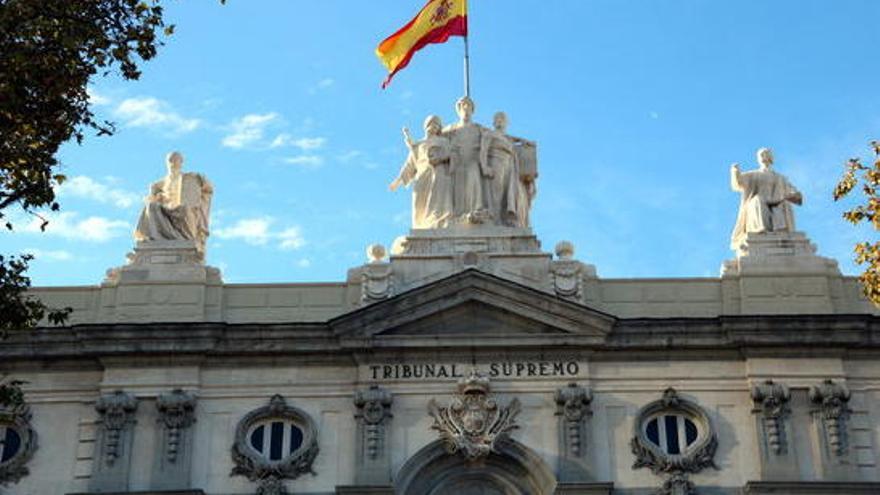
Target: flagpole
column 467, row 69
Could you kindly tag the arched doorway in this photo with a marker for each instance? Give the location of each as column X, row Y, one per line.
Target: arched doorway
column 513, row 470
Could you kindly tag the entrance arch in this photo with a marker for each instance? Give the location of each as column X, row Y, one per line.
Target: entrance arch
column 513, row 470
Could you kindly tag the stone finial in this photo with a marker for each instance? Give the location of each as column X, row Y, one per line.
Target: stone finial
column 376, row 253
column 564, row 250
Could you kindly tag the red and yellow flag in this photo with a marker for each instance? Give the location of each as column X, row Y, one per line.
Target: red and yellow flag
column 435, row 23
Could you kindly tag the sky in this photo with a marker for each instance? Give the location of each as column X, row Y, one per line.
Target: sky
column 638, row 107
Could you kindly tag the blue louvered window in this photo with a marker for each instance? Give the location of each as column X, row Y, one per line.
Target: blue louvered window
column 275, row 439
column 671, row 433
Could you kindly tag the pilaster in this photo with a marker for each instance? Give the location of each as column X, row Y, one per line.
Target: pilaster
column 174, row 435
column 373, row 413
column 114, row 442
column 573, row 412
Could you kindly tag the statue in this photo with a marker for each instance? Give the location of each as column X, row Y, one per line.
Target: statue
column 429, row 168
column 468, row 174
column 177, row 207
column 766, row 200
column 468, row 188
column 498, row 158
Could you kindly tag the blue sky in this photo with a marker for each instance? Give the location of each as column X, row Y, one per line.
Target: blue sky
column 639, row 107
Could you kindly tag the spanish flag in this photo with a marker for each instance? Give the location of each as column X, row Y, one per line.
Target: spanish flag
column 435, row 23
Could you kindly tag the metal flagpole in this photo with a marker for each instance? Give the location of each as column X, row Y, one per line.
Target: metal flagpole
column 467, row 70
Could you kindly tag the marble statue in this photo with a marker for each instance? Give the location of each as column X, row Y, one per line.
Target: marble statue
column 177, row 207
column 468, row 188
column 429, row 168
column 766, row 200
column 498, row 158
column 468, row 174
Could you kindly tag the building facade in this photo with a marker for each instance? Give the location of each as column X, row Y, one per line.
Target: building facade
column 470, row 361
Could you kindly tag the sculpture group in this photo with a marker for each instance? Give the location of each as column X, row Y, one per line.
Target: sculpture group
column 468, row 174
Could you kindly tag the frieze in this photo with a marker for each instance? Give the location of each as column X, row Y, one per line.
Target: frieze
column 495, row 370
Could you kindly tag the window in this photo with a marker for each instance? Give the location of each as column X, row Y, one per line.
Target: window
column 671, row 433
column 275, row 439
column 10, row 443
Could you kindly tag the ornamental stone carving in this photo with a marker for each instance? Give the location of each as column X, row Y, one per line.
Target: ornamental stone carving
column 831, row 407
column 114, row 443
column 473, row 423
column 117, row 415
column 573, row 410
column 468, row 174
column 373, row 413
column 567, row 272
column 674, row 437
column 376, row 280
column 176, row 413
column 18, row 442
column 771, row 402
column 261, row 468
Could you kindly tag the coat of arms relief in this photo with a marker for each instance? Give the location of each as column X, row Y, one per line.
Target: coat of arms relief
column 473, row 423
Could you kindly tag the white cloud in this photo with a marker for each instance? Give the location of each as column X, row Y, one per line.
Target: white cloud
column 96, row 98
column 249, row 130
column 49, row 255
column 304, row 263
column 154, row 113
column 322, row 85
column 81, row 186
column 258, row 232
column 305, row 144
column 92, row 229
column 291, row 239
column 309, row 161
column 350, row 155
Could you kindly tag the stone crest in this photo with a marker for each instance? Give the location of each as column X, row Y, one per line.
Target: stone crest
column 15, row 423
column 473, row 423
column 270, row 474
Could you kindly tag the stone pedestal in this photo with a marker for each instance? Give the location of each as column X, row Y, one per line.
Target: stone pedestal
column 163, row 281
column 511, row 253
column 164, row 261
column 780, row 272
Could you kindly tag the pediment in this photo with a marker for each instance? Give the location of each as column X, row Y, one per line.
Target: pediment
column 473, row 304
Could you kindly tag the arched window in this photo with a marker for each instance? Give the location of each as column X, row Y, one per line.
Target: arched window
column 18, row 441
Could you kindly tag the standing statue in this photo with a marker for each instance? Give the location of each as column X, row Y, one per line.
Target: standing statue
column 766, row 200
column 429, row 168
column 468, row 188
column 177, row 207
column 498, row 158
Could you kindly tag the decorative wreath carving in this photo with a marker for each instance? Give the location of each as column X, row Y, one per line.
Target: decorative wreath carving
column 269, row 474
column 18, row 419
column 692, row 458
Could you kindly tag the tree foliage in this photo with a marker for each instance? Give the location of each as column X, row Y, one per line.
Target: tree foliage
column 49, row 52
column 865, row 178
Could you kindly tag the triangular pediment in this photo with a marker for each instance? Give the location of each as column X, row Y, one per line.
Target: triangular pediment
column 473, row 304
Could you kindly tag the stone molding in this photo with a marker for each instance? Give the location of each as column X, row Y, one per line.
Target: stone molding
column 584, row 489
column 676, row 467
column 573, row 410
column 271, row 474
column 831, row 407
column 810, row 488
column 473, row 422
column 772, row 404
column 373, row 413
column 19, row 419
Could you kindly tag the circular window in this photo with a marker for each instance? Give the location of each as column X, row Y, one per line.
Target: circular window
column 275, row 439
column 10, row 443
column 672, row 433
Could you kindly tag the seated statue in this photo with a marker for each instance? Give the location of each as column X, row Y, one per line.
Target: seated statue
column 177, row 207
column 766, row 200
